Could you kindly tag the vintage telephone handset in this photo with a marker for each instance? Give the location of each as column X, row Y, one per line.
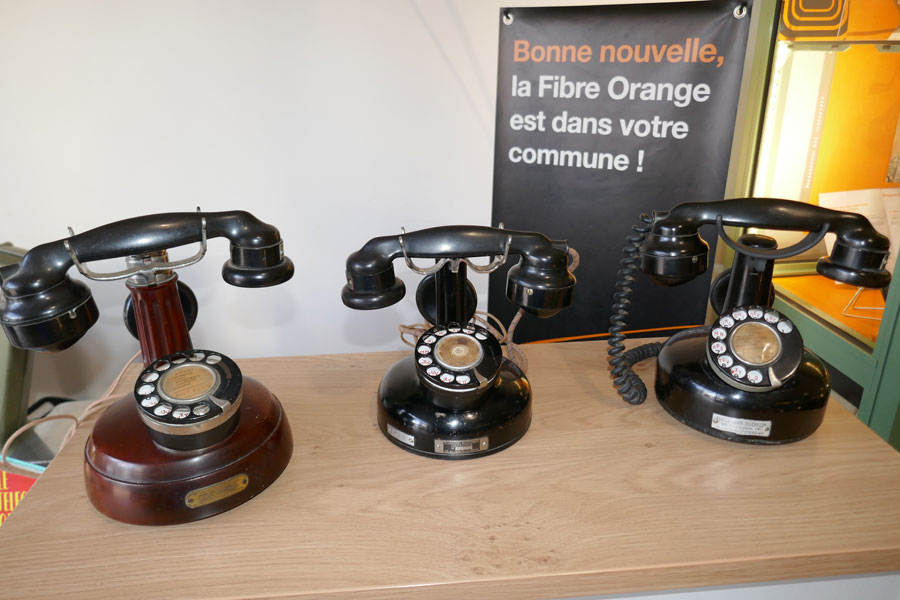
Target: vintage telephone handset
column 747, row 376
column 195, row 438
column 456, row 396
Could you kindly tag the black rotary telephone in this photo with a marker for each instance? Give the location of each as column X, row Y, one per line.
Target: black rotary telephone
column 457, row 396
column 746, row 377
column 196, row 437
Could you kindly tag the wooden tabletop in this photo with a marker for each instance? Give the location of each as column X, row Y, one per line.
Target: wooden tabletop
column 598, row 497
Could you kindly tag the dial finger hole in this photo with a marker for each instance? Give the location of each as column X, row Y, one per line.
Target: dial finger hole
column 162, row 409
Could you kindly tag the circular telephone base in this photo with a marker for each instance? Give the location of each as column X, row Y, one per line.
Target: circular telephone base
column 188, row 305
column 688, row 390
column 131, row 478
column 426, row 300
column 409, row 417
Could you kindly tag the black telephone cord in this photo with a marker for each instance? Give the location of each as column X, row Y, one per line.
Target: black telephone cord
column 627, row 382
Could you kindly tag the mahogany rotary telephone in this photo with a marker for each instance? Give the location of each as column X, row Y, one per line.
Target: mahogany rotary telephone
column 746, row 377
column 195, row 438
column 456, row 396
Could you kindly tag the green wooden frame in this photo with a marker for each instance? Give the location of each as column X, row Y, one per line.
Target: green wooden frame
column 880, row 405
column 875, row 369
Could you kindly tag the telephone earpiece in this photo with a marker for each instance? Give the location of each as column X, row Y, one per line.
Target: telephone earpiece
column 371, row 283
column 457, row 396
column 47, row 319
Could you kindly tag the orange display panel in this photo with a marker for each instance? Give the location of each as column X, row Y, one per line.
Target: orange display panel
column 860, row 122
column 828, row 298
column 846, row 20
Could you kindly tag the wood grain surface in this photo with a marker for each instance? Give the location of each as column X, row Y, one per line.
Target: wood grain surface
column 598, row 497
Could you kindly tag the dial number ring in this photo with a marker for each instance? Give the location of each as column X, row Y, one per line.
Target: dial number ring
column 754, row 348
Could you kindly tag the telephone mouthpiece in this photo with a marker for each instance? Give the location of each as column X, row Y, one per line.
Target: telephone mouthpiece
column 374, row 299
column 541, row 293
column 861, row 267
column 257, row 266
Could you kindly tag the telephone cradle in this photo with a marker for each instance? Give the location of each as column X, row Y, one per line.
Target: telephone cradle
column 457, row 396
column 746, row 377
column 196, row 437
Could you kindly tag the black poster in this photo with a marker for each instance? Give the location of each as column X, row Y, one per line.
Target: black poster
column 604, row 113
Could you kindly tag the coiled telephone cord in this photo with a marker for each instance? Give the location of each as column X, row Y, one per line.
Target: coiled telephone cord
column 627, row 382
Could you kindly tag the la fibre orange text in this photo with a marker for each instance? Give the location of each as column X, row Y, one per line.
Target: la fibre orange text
column 689, row 51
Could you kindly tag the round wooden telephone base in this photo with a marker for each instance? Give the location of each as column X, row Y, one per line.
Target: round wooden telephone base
column 131, row 478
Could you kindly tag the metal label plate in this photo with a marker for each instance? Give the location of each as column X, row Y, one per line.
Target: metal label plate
column 461, row 446
column 401, row 436
column 741, row 426
column 217, row 491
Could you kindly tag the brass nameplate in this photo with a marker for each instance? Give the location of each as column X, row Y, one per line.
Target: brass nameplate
column 217, row 491
column 188, row 382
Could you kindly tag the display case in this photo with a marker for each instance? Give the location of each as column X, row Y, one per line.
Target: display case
column 831, row 136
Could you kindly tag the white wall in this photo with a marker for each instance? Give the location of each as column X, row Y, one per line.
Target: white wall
column 335, row 121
